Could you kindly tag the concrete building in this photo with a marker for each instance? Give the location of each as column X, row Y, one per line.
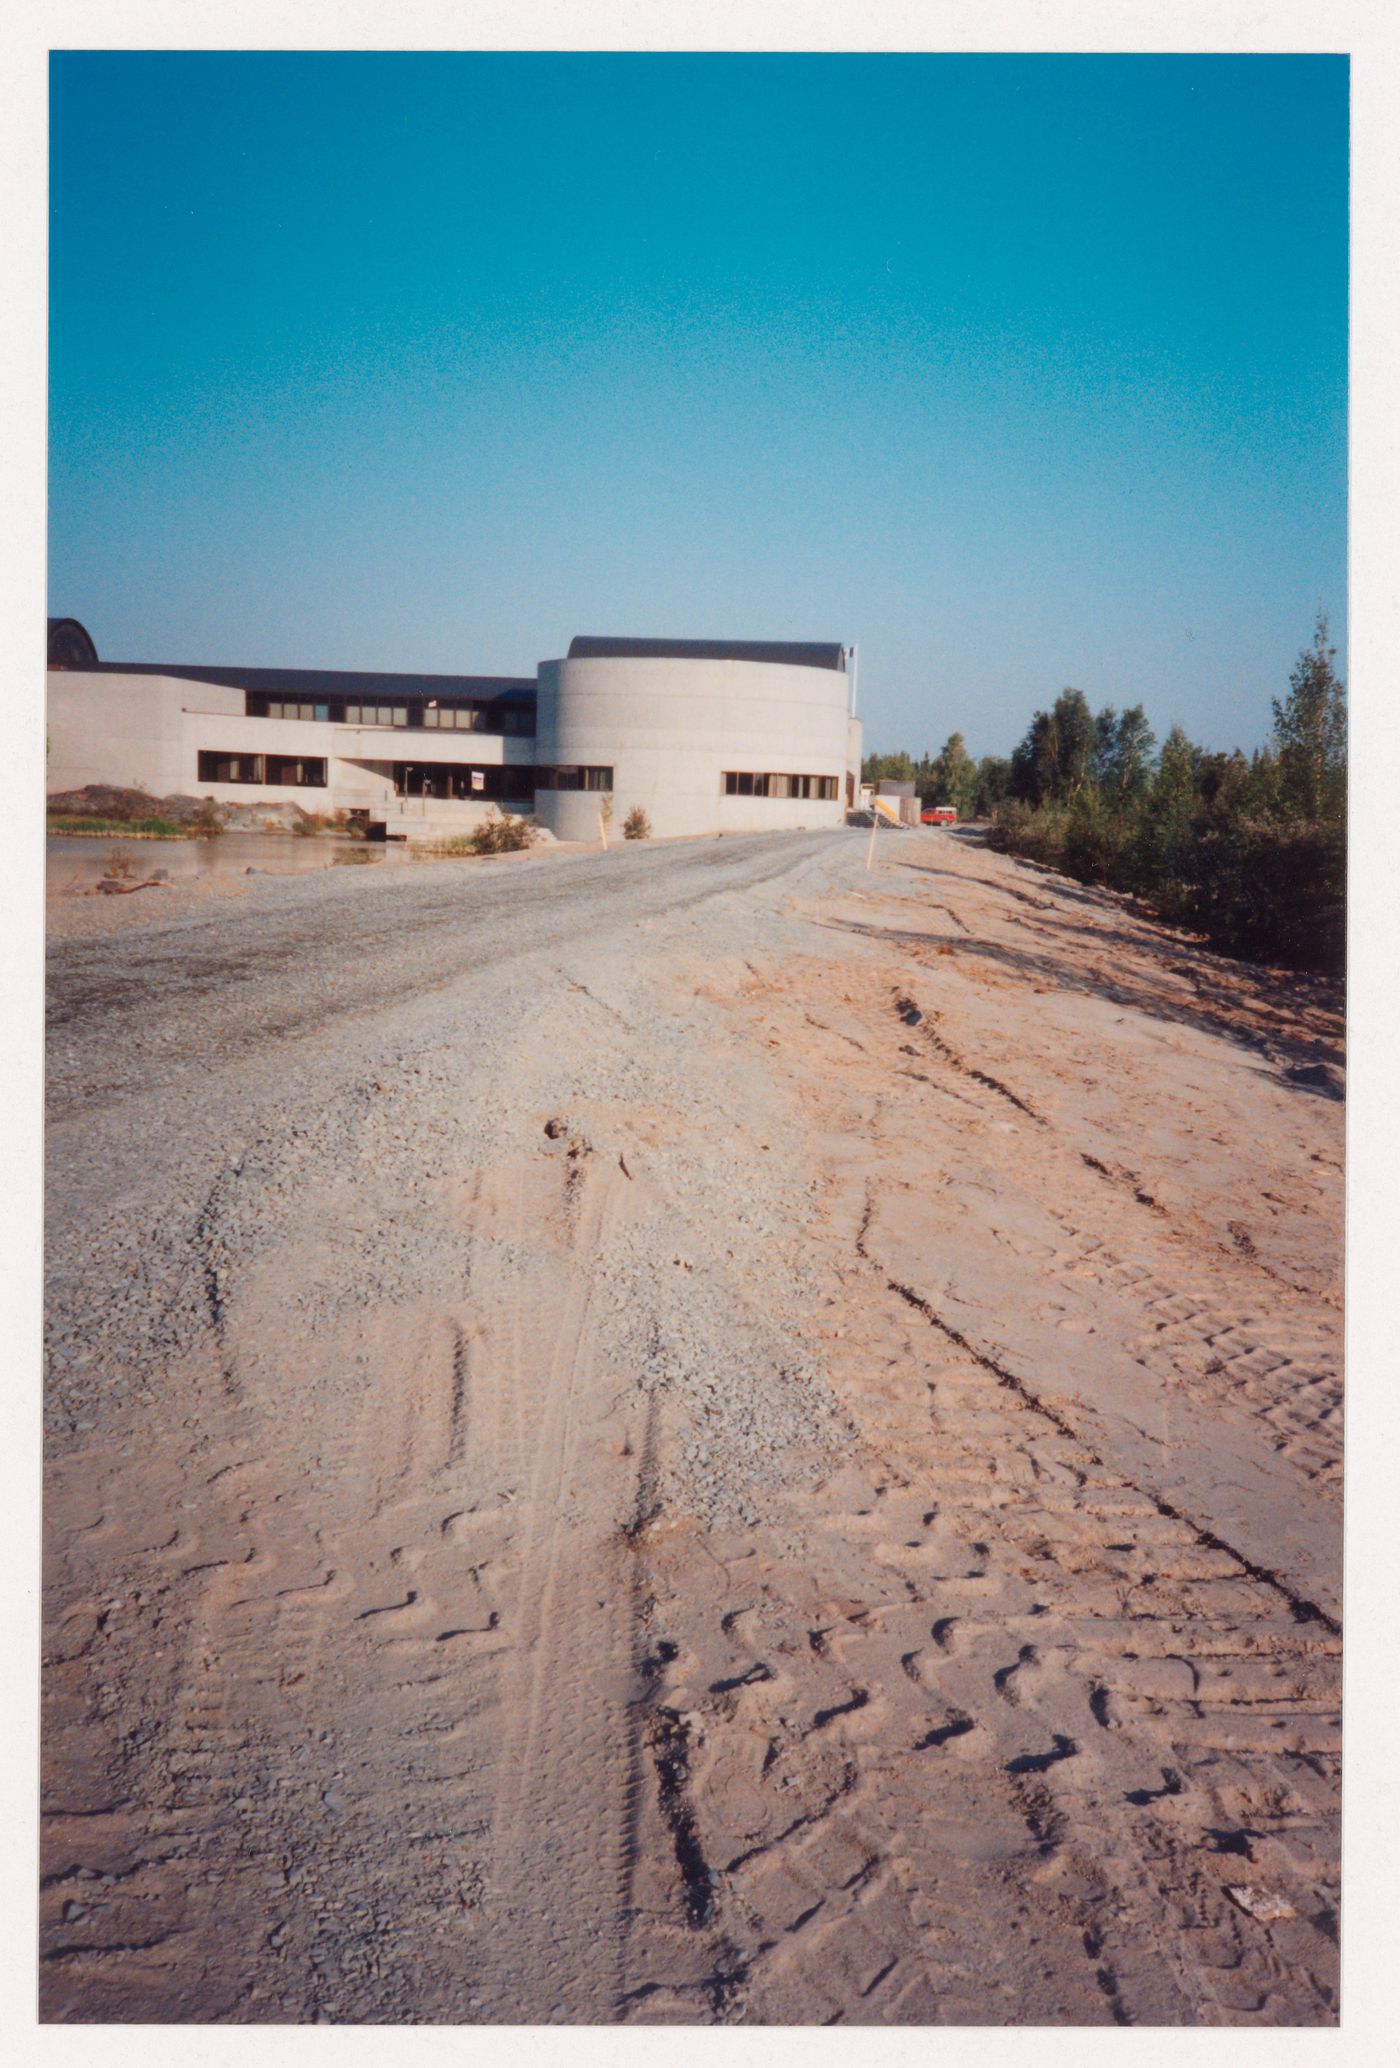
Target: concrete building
column 705, row 736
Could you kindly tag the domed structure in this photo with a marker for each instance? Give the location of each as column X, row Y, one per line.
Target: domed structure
column 70, row 646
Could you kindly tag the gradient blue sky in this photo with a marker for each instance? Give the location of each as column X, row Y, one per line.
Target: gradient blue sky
column 1019, row 371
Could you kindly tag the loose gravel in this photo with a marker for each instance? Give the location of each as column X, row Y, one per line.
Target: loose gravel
column 209, row 1075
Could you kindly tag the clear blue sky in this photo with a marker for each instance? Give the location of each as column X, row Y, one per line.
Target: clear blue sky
column 1022, row 372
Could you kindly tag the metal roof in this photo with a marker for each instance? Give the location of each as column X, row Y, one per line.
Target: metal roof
column 792, row 654
column 314, row 683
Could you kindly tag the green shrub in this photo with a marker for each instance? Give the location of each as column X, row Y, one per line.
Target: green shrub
column 497, row 833
column 500, row 833
column 207, row 821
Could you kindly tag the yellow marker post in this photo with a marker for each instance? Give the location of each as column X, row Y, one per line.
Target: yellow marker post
column 874, row 826
column 602, row 830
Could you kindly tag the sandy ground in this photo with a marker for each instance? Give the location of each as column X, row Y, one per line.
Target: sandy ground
column 771, row 1454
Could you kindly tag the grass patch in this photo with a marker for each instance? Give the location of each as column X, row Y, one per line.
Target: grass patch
column 71, row 826
column 457, row 849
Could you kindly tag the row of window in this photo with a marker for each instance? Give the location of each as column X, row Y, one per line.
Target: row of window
column 457, row 717
column 272, row 708
column 287, row 771
column 513, row 720
column 370, row 714
column 739, row 784
column 444, row 780
column 497, row 785
column 515, row 785
column 573, row 779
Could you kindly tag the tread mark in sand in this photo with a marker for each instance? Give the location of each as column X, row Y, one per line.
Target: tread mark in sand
column 1304, row 1611
column 912, row 1016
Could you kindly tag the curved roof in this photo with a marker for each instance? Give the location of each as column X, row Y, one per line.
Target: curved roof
column 70, row 645
column 792, row 654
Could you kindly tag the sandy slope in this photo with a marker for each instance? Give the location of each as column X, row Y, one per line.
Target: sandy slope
column 772, row 1458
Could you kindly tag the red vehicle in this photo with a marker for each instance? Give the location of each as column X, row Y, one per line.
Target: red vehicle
column 939, row 815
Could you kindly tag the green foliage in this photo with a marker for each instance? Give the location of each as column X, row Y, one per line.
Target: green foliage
column 953, row 777
column 130, row 829
column 993, row 784
column 1056, row 758
column 207, row 820
column 636, row 825
column 500, row 833
column 890, row 768
column 1122, row 758
column 1310, row 734
column 1251, row 853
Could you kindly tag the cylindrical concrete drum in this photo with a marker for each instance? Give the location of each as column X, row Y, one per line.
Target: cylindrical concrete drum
column 701, row 743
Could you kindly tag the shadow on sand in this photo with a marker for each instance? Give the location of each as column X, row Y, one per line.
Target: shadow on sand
column 1291, row 1023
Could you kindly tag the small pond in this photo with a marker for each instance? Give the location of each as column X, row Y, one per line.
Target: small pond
column 73, row 860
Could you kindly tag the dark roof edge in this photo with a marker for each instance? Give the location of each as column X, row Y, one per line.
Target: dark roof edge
column 333, row 681
column 788, row 653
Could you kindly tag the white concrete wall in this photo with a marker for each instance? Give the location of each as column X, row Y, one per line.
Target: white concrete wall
column 670, row 728
column 147, row 732
column 573, row 815
column 127, row 730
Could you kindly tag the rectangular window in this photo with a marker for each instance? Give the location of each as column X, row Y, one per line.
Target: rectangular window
column 738, row 782
column 229, row 768
column 277, row 707
column 452, row 717
column 574, row 778
column 376, row 714
column 450, row 779
column 295, row 771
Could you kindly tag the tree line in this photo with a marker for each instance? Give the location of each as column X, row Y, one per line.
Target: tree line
column 1248, row 850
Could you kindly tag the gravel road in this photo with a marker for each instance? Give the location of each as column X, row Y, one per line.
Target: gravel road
column 689, row 1435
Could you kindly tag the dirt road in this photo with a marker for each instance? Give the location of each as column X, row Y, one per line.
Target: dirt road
column 696, row 1435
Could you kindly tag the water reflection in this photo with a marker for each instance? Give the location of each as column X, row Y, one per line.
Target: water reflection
column 78, row 863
